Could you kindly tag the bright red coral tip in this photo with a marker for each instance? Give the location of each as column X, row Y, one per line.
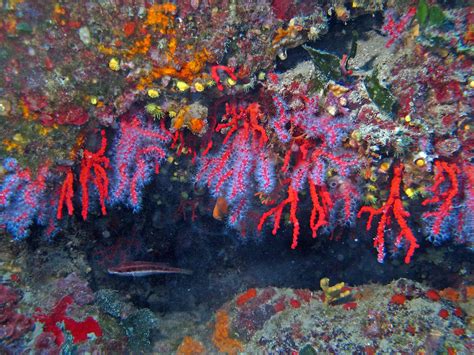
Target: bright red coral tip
column 392, row 207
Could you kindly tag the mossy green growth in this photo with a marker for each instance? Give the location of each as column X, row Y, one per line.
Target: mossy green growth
column 436, row 16
column 379, row 94
column 429, row 15
column 326, row 67
column 138, row 328
column 307, row 350
column 24, row 27
column 353, row 51
column 422, row 12
column 35, row 148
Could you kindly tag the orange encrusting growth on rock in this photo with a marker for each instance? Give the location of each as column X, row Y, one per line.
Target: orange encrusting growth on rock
column 281, row 33
column 188, row 71
column 432, row 295
column 246, row 296
column 190, row 346
column 221, row 338
column 196, row 125
column 139, row 47
column 469, row 292
column 398, row 299
column 160, row 17
column 450, row 294
column 186, row 65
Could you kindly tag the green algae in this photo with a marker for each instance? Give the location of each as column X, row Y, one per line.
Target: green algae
column 326, row 67
column 429, row 15
column 379, row 94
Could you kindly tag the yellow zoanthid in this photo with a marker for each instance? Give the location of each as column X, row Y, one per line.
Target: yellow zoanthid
column 114, row 64
column 411, row 193
column 44, row 131
column 385, row 166
column 172, row 114
column 420, row 162
column 153, row 93
column 19, row 138
column 198, row 86
column 182, row 86
column 372, row 188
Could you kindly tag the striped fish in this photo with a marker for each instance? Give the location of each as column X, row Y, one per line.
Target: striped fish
column 145, row 268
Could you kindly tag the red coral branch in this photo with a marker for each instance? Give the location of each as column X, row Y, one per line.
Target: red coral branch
column 395, row 29
column 451, row 170
column 215, row 74
column 320, row 210
column 66, row 195
column 393, row 205
column 97, row 163
column 292, row 200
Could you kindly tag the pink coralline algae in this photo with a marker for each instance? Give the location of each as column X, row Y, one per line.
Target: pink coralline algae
column 13, row 325
column 77, row 287
column 72, row 115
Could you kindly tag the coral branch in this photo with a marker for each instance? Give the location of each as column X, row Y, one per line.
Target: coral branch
column 242, row 156
column 292, row 200
column 78, row 329
column 215, row 74
column 66, row 195
column 393, row 206
column 445, row 197
column 320, row 210
column 138, row 154
column 22, row 198
column 94, row 163
column 394, row 29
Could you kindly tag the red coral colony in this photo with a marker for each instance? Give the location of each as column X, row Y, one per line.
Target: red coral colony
column 261, row 152
column 108, row 107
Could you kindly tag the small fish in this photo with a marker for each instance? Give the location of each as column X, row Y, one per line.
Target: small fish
column 221, row 209
column 145, row 268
